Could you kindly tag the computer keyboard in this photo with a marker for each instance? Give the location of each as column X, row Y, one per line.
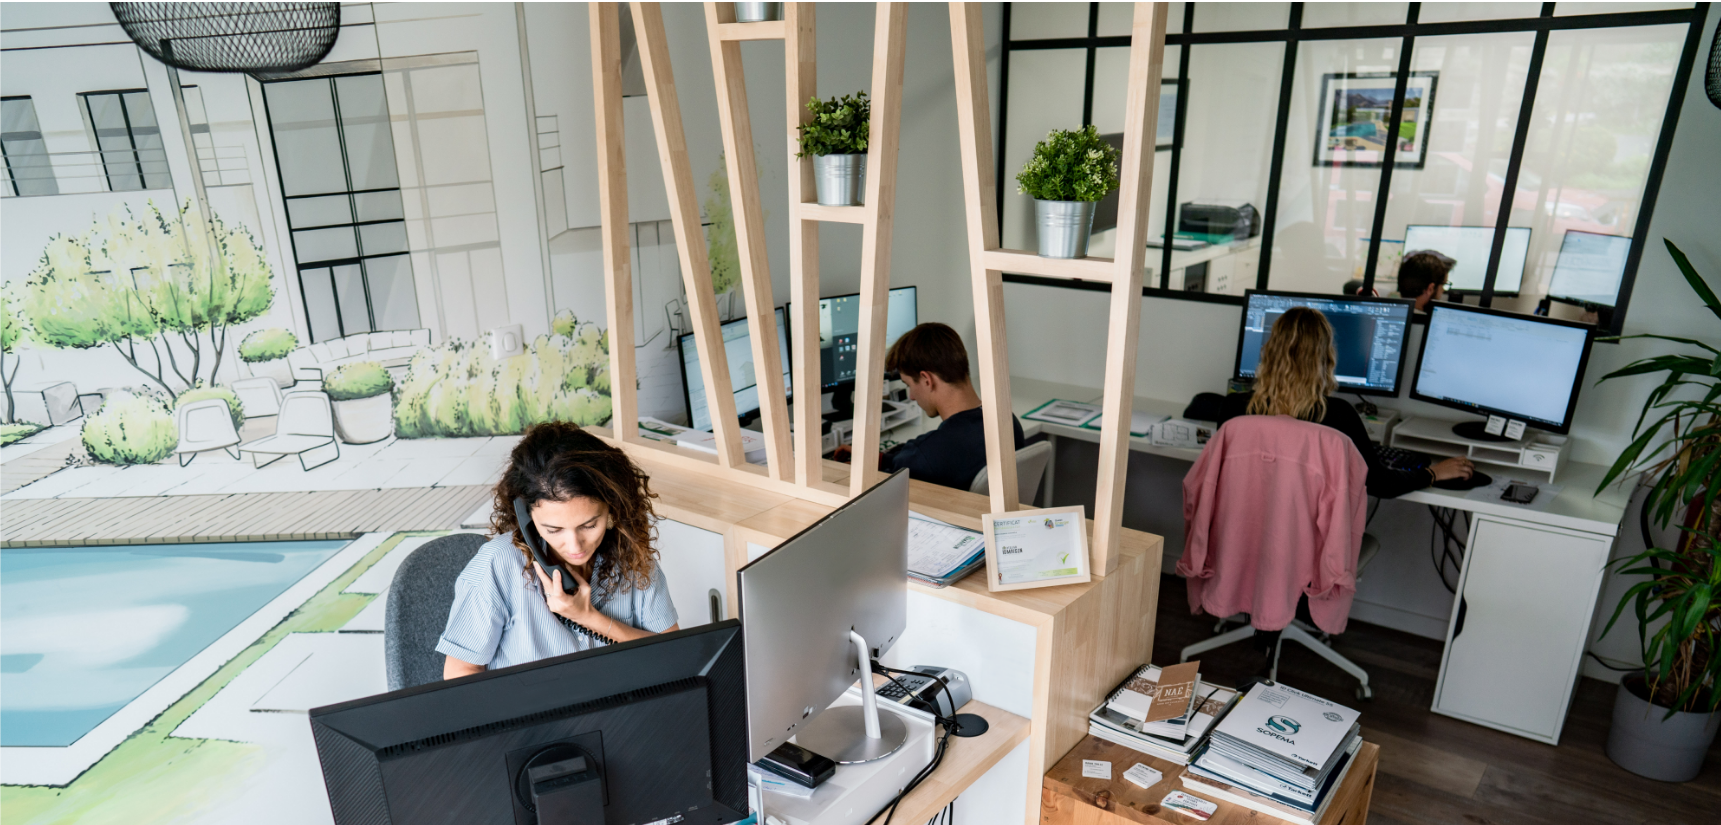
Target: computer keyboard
column 1398, row 458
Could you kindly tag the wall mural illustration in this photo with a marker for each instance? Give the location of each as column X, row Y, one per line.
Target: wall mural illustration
column 245, row 346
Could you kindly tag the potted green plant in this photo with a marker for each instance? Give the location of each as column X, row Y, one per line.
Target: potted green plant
column 264, row 353
column 1666, row 716
column 837, row 140
column 362, row 396
column 1069, row 173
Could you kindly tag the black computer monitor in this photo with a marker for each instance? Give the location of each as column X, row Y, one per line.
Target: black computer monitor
column 1368, row 334
column 743, row 380
column 653, row 730
column 839, row 331
column 1471, row 246
column 1589, row 268
column 1492, row 362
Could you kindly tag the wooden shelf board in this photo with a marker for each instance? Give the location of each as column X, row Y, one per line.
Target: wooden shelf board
column 965, row 761
column 1028, row 263
column 835, row 214
column 764, row 30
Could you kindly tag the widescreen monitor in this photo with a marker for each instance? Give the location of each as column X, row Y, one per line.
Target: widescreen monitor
column 839, row 331
column 653, row 730
column 803, row 603
column 743, row 379
column 1589, row 268
column 1491, row 362
column 1470, row 246
column 1368, row 334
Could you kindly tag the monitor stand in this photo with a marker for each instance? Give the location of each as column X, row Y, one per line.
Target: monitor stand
column 852, row 733
column 1476, row 431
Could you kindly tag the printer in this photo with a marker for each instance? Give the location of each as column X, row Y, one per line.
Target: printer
column 1234, row 218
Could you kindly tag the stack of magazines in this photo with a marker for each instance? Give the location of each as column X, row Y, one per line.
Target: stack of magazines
column 1280, row 751
column 1124, row 718
column 940, row 553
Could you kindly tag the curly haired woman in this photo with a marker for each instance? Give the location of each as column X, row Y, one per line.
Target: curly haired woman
column 592, row 507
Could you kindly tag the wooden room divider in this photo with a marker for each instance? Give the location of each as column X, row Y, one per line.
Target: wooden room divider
column 794, row 465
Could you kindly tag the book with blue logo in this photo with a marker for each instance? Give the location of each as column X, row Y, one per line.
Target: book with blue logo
column 1286, row 723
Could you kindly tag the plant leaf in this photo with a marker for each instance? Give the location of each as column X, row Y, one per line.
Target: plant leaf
column 1698, row 285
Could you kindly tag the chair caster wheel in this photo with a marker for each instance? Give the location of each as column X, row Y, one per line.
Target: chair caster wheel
column 1364, row 694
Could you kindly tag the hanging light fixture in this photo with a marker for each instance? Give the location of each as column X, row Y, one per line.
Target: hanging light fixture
column 232, row 37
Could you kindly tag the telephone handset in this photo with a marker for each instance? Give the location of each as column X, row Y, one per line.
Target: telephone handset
column 570, row 585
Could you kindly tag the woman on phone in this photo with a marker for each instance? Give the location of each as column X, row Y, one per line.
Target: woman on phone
column 598, row 580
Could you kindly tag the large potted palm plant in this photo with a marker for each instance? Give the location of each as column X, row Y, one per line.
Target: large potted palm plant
column 1666, row 716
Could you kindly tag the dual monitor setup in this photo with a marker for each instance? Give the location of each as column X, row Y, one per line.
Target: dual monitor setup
column 656, row 730
column 1587, row 272
column 839, row 353
column 1481, row 361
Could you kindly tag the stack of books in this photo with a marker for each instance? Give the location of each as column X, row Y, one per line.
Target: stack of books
column 1280, row 751
column 1139, row 714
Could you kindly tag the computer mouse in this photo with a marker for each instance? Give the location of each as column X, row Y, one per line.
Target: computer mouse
column 1476, row 479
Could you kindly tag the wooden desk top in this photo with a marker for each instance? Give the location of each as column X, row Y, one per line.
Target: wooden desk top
column 1132, row 803
column 965, row 760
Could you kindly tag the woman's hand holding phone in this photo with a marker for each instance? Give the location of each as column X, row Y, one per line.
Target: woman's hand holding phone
column 575, row 607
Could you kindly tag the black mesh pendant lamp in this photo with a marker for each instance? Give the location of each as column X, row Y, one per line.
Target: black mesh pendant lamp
column 232, row 37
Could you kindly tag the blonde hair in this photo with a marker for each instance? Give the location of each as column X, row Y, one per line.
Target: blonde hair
column 1297, row 367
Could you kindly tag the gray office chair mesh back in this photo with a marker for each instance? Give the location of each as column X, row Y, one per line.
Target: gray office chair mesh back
column 418, row 605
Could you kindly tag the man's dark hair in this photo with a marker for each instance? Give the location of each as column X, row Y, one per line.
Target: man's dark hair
column 932, row 347
column 1418, row 270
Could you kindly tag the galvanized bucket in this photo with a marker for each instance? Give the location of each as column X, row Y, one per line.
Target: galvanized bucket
column 758, row 12
column 1064, row 227
column 840, row 179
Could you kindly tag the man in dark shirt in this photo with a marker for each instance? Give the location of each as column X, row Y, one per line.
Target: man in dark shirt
column 1422, row 275
column 931, row 360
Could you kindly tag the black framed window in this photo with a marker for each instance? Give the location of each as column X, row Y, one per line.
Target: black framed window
column 28, row 169
column 128, row 139
column 335, row 154
column 1512, row 121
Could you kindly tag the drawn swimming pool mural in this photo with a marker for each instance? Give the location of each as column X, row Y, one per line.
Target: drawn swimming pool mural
column 158, row 605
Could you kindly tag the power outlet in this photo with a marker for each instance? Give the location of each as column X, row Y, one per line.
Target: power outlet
column 507, row 342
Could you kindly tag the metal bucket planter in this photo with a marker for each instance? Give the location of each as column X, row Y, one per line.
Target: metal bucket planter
column 364, row 420
column 1064, row 227
column 758, row 12
column 1642, row 742
column 839, row 179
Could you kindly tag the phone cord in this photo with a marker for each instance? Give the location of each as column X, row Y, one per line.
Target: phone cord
column 582, row 629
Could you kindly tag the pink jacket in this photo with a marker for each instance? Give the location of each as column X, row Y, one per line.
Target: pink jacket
column 1274, row 508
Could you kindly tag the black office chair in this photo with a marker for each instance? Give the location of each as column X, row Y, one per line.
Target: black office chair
column 418, row 603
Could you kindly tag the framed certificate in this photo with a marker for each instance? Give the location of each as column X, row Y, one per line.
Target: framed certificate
column 1036, row 548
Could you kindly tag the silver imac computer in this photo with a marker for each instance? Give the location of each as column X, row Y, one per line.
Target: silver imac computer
column 815, row 611
column 1470, row 246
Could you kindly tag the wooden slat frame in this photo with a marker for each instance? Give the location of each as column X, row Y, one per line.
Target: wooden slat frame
column 612, row 210
column 749, row 215
column 684, row 215
column 1147, row 53
column 890, row 35
column 801, row 78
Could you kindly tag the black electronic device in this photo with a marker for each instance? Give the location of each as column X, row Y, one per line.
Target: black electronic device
column 570, row 585
column 1398, row 458
column 839, row 333
column 939, row 691
column 798, row 765
column 653, row 730
column 1493, row 362
column 1519, row 493
column 1368, row 336
column 743, row 376
column 1234, row 218
column 1477, row 479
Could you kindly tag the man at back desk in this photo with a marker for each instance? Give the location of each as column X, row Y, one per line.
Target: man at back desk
column 931, row 360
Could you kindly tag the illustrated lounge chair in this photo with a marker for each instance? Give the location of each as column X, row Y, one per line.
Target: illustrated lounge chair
column 305, row 428
column 259, row 396
column 204, row 425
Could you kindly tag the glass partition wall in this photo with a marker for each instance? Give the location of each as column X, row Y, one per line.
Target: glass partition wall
column 1275, row 170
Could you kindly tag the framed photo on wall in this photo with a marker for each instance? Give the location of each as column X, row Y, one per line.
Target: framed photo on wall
column 1169, row 91
column 1355, row 111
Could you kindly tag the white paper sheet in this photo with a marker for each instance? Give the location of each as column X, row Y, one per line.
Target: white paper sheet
column 936, row 549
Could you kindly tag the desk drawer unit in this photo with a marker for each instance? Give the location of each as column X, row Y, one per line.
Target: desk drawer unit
column 1519, row 624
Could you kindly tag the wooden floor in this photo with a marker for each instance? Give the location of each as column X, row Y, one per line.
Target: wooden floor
column 1435, row 769
column 335, row 514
